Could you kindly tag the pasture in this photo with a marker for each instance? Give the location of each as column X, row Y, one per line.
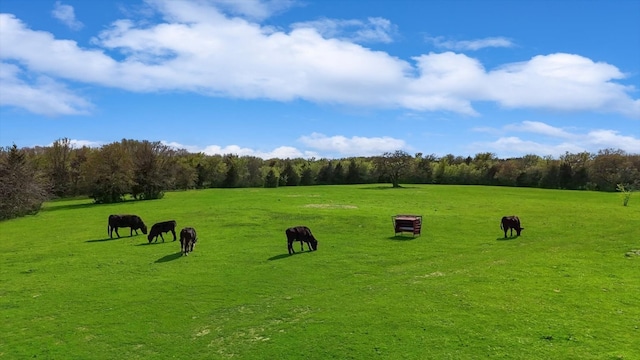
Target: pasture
column 568, row 288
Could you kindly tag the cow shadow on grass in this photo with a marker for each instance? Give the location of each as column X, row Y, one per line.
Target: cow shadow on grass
column 102, row 240
column 152, row 243
column 170, row 257
column 286, row 255
column 110, row 239
column 278, row 257
column 512, row 237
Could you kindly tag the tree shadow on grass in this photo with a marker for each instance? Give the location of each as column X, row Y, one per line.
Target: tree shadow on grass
column 67, row 207
column 170, row 257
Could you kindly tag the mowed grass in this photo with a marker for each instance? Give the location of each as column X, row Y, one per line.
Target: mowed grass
column 568, row 288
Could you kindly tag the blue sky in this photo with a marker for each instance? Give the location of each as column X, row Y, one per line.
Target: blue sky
column 334, row 79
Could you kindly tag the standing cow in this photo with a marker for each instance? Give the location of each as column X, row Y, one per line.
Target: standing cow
column 131, row 221
column 162, row 227
column 511, row 223
column 302, row 234
column 188, row 240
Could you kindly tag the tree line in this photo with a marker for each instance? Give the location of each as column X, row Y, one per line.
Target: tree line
column 145, row 170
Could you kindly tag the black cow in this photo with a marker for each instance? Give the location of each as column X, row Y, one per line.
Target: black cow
column 131, row 221
column 511, row 222
column 162, row 227
column 188, row 240
column 302, row 234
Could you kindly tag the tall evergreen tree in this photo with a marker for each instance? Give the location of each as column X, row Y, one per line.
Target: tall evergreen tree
column 22, row 191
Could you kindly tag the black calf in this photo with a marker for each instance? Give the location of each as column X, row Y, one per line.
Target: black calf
column 162, row 227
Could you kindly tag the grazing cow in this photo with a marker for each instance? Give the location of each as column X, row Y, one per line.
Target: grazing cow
column 302, row 234
column 131, row 221
column 511, row 222
column 162, row 227
column 188, row 240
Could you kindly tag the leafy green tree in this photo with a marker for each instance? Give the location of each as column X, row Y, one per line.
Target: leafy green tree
column 611, row 167
column 550, row 179
column 325, row 175
column 306, row 178
column 77, row 177
column 271, row 179
column 185, row 174
column 353, row 173
column 394, row 165
column 153, row 164
column 338, row 174
column 565, row 176
column 232, row 177
column 508, row 172
column 289, row 176
column 22, row 189
column 254, row 171
column 111, row 173
column 58, row 163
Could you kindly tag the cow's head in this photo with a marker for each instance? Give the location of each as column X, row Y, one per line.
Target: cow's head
column 143, row 227
column 314, row 244
column 518, row 229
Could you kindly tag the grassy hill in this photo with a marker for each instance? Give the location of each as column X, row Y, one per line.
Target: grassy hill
column 568, row 288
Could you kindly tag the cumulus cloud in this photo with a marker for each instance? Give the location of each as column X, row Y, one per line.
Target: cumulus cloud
column 253, row 9
column 82, row 143
column 473, row 45
column 374, row 29
column 555, row 141
column 201, row 49
column 312, row 146
column 354, row 146
column 281, row 152
column 39, row 94
column 66, row 14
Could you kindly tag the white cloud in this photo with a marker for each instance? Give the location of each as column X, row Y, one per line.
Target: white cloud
column 200, row 49
column 473, row 45
column 40, row 95
column 82, row 143
column 66, row 14
column 314, row 145
column 555, row 141
column 538, row 127
column 375, row 29
column 354, row 146
column 282, row 152
column 561, row 82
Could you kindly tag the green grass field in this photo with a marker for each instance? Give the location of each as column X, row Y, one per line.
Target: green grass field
column 568, row 288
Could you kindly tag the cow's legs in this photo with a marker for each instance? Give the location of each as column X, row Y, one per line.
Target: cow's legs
column 290, row 246
column 161, row 237
column 116, row 229
column 174, row 234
